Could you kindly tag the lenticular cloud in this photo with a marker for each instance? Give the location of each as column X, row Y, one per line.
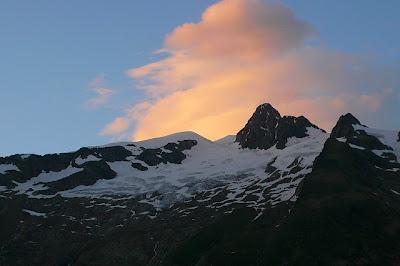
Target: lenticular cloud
column 240, row 54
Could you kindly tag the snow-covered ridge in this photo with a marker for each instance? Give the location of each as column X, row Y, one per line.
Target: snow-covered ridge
column 208, row 165
column 173, row 138
column 160, row 141
column 220, row 167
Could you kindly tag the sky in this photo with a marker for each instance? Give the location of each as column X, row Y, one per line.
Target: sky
column 80, row 73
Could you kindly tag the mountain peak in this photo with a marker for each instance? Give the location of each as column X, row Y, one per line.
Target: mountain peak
column 266, row 107
column 344, row 126
column 350, row 118
column 357, row 134
column 259, row 132
column 267, row 128
column 265, row 111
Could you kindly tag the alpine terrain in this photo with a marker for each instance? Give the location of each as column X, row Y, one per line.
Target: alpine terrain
column 280, row 192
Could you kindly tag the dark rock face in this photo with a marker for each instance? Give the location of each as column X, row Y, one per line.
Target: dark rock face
column 398, row 135
column 344, row 127
column 266, row 128
column 260, row 130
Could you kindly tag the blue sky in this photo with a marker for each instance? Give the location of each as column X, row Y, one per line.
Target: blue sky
column 52, row 50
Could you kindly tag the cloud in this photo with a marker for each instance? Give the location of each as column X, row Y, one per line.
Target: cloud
column 121, row 124
column 374, row 101
column 118, row 126
column 240, row 54
column 237, row 28
column 102, row 94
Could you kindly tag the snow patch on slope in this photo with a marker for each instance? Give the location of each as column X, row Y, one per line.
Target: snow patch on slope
column 33, row 213
column 38, row 183
column 4, row 168
column 90, row 158
column 304, row 151
column 387, row 137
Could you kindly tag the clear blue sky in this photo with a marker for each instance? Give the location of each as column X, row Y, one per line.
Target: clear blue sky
column 52, row 49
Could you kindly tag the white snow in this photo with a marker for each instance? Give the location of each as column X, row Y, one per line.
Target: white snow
column 305, row 152
column 159, row 142
column 33, row 213
column 90, row 158
column 387, row 137
column 230, row 139
column 344, row 140
column 395, row 192
column 4, row 168
column 162, row 141
column 313, row 133
column 356, row 147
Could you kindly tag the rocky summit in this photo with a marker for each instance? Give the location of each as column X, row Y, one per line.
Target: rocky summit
column 280, row 192
column 266, row 128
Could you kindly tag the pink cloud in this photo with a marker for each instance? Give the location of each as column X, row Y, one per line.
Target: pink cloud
column 102, row 95
column 248, row 29
column 240, row 54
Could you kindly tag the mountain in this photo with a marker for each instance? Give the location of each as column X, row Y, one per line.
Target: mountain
column 280, row 192
column 267, row 128
column 348, row 208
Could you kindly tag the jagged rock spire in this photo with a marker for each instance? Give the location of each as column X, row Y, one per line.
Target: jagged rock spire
column 267, row 128
column 259, row 131
column 344, row 126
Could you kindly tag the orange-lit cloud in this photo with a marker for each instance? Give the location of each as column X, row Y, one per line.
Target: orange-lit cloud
column 243, row 53
column 118, row 126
